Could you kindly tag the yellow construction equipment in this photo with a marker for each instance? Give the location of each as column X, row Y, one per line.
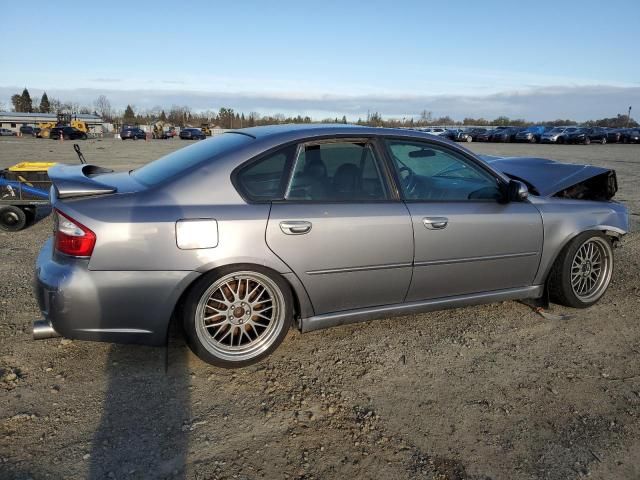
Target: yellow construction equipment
column 206, row 129
column 63, row 120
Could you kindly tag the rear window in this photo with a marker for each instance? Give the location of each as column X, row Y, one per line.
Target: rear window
column 170, row 165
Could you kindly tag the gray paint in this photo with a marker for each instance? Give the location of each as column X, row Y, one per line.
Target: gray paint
column 356, row 263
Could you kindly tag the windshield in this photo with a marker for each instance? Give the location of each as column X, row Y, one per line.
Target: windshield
column 557, row 130
column 170, row 165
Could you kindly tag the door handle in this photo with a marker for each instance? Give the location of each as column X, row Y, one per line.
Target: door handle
column 435, row 223
column 295, row 227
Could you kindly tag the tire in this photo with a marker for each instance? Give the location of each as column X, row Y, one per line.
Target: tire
column 573, row 280
column 84, row 136
column 12, row 218
column 533, row 140
column 560, row 140
column 235, row 315
column 604, row 141
column 587, row 141
column 469, row 139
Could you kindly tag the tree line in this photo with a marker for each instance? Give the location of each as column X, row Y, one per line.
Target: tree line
column 227, row 117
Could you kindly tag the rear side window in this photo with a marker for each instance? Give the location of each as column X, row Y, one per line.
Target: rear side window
column 171, row 165
column 337, row 172
column 265, row 179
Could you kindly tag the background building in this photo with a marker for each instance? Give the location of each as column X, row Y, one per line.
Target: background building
column 14, row 120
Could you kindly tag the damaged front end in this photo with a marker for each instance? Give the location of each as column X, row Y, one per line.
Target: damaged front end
column 548, row 178
column 600, row 188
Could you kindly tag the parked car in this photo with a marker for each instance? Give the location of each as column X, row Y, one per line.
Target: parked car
column 631, row 135
column 587, row 135
column 552, row 136
column 192, row 134
column 457, row 135
column 5, row 132
column 530, row 134
column 132, row 133
column 433, row 130
column 505, row 134
column 68, row 133
column 27, row 130
column 614, row 135
column 240, row 236
column 484, row 136
column 474, row 132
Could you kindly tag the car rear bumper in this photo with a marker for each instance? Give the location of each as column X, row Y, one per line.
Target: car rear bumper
column 107, row 306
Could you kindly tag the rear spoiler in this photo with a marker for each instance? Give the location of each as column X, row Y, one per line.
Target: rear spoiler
column 76, row 180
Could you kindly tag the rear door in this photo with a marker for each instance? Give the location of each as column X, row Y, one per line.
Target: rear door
column 339, row 229
column 465, row 240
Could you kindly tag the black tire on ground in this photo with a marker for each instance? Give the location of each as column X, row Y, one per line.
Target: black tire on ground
column 196, row 301
column 560, row 140
column 604, row 140
column 12, row 218
column 561, row 289
column 84, row 136
column 587, row 141
column 533, row 140
column 30, row 213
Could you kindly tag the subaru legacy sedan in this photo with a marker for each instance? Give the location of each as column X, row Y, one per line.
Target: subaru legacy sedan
column 245, row 234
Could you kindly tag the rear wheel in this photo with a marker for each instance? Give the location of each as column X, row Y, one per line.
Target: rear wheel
column 582, row 272
column 237, row 315
column 587, row 141
column 12, row 219
column 604, row 140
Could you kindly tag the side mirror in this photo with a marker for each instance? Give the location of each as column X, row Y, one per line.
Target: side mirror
column 517, row 191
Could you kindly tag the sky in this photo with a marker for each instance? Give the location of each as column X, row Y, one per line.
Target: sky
column 537, row 60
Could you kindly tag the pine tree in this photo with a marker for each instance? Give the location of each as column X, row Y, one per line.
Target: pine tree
column 344, row 119
column 26, row 103
column 129, row 116
column 163, row 116
column 45, row 107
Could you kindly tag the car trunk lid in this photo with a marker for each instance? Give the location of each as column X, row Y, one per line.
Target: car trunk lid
column 72, row 181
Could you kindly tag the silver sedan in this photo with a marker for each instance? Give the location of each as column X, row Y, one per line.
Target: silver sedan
column 241, row 236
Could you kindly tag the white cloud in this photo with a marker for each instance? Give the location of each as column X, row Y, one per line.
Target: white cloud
column 535, row 103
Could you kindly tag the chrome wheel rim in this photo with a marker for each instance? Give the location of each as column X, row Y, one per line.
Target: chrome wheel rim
column 591, row 270
column 240, row 315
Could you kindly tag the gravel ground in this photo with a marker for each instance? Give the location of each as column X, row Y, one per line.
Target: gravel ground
column 489, row 392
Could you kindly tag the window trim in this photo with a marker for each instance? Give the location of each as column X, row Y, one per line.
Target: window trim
column 502, row 183
column 379, row 159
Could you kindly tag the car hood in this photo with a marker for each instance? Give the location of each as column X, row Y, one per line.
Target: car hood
column 547, row 177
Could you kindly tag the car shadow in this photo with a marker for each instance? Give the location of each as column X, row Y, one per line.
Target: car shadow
column 143, row 430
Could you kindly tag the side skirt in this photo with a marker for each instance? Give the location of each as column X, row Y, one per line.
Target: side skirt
column 328, row 320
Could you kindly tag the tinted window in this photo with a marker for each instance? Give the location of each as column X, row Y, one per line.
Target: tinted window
column 337, row 171
column 265, row 179
column 170, row 165
column 432, row 173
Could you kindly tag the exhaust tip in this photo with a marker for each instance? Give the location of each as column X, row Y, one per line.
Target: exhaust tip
column 42, row 329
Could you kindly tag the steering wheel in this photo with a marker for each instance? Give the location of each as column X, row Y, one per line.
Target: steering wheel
column 408, row 180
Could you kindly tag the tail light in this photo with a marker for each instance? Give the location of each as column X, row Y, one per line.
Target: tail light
column 71, row 237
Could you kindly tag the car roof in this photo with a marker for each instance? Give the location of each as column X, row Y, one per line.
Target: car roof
column 292, row 132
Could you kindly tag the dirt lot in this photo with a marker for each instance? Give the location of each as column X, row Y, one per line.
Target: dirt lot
column 486, row 392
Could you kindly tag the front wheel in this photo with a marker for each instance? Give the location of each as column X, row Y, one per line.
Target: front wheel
column 587, row 141
column 582, row 272
column 604, row 141
column 235, row 316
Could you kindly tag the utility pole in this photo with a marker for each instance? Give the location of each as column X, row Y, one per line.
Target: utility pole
column 629, row 116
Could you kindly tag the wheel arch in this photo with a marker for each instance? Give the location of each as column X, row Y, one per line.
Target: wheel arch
column 302, row 304
column 613, row 233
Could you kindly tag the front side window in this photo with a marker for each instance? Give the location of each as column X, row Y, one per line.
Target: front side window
column 431, row 173
column 341, row 171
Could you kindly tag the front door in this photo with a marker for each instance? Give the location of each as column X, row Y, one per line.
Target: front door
column 466, row 241
column 339, row 231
